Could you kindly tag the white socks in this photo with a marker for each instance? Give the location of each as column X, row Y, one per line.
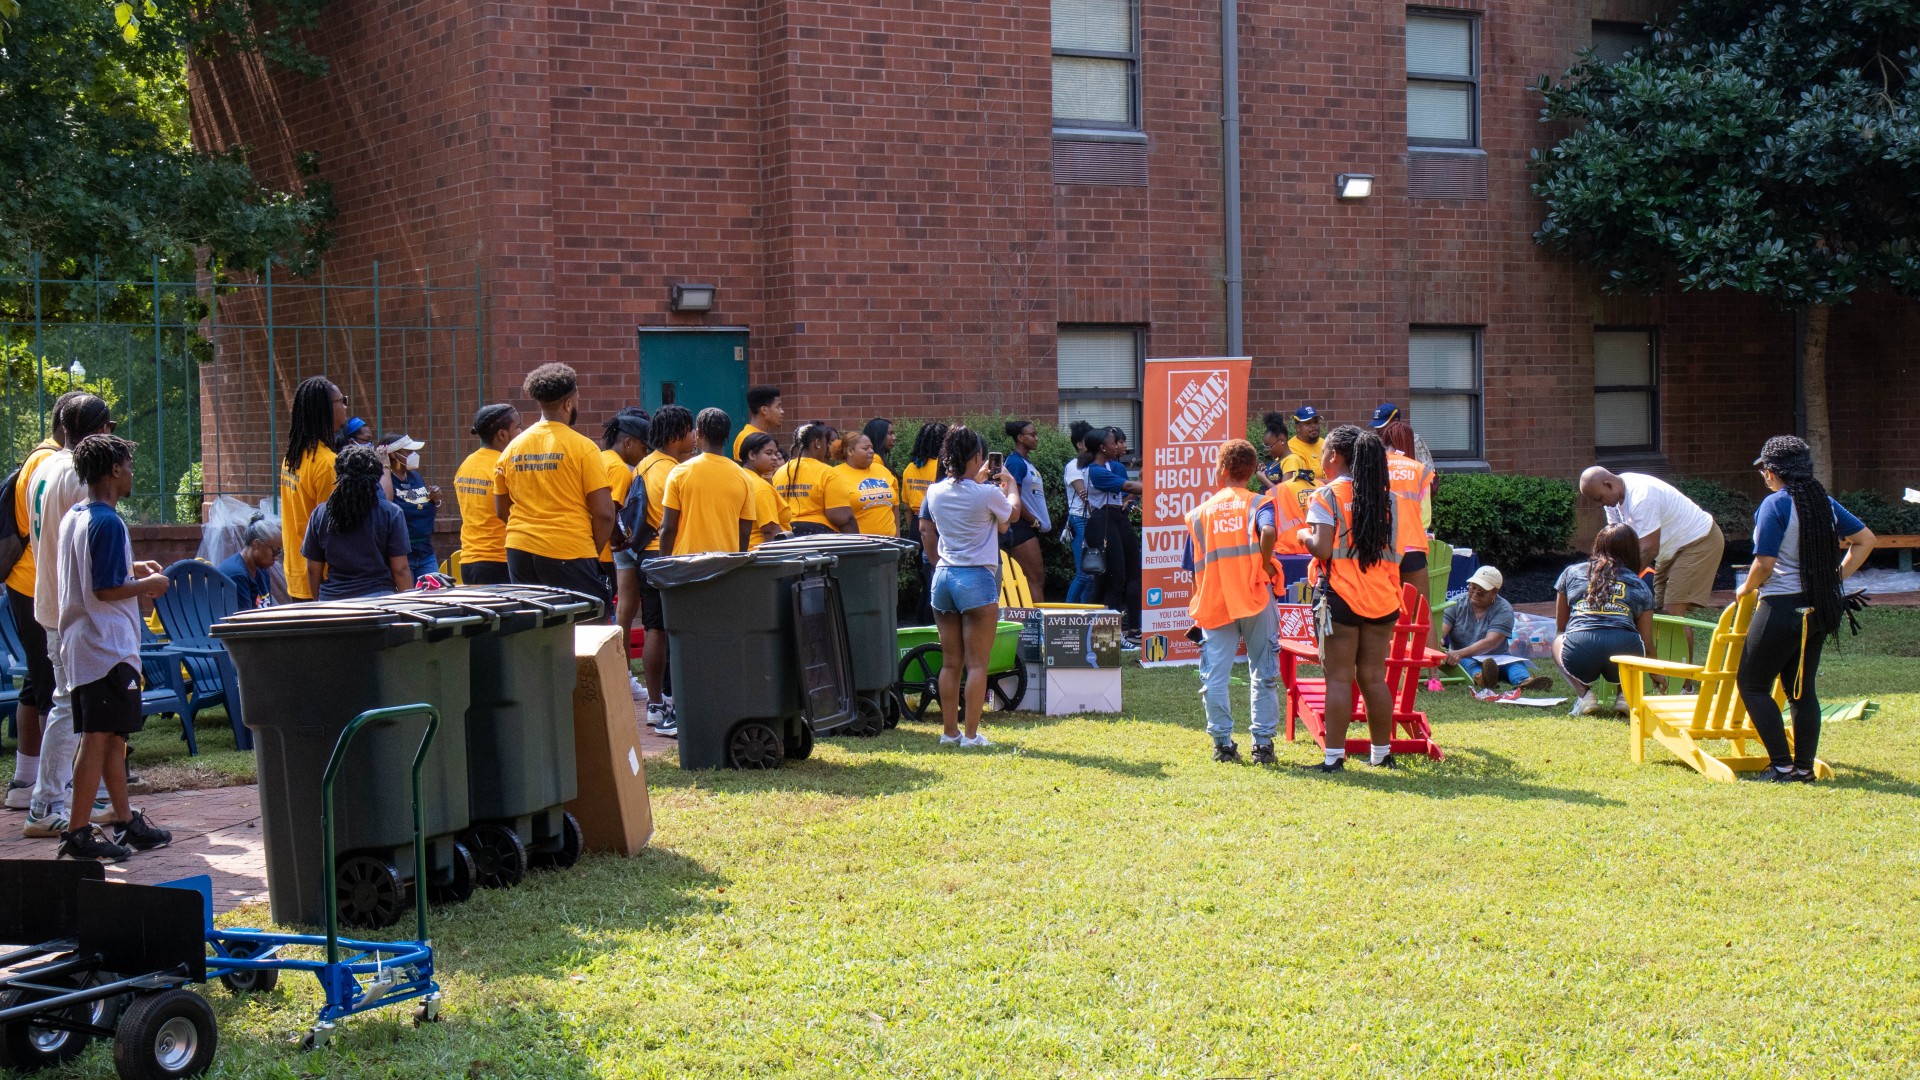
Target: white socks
column 26, row 769
column 1380, row 753
column 1335, row 757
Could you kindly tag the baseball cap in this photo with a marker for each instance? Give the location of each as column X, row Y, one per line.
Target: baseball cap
column 634, row 422
column 401, row 442
column 1487, row 578
column 1384, row 415
column 1305, row 413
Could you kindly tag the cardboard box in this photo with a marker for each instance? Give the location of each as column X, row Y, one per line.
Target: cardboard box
column 1072, row 658
column 612, row 806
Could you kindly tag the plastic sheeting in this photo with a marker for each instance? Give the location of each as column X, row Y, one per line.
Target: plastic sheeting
column 220, row 537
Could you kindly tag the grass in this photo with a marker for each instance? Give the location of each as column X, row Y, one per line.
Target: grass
column 160, row 755
column 1097, row 898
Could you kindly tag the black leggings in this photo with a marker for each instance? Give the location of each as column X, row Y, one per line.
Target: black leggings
column 1773, row 652
column 1120, row 585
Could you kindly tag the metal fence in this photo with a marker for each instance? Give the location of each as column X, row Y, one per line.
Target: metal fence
column 200, row 366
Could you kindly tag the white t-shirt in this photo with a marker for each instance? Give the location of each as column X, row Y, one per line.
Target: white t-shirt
column 1076, row 502
column 968, row 516
column 1652, row 503
column 55, row 489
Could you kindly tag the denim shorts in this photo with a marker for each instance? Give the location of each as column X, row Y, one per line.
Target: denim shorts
column 963, row 588
column 626, row 559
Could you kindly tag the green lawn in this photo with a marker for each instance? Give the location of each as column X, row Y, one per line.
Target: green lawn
column 1098, row 898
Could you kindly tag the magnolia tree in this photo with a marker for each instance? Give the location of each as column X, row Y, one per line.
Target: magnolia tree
column 1766, row 147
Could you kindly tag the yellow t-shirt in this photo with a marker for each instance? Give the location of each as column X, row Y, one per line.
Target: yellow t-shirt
column 654, row 469
column 1310, row 451
column 619, row 482
column 745, row 430
column 21, row 579
column 302, row 490
column 914, row 482
column 549, row 470
column 768, row 508
column 875, row 495
column 713, row 496
column 811, row 488
column 483, row 536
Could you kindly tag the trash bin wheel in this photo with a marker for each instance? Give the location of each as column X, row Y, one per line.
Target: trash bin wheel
column 460, row 882
column 869, row 718
column 27, row 1047
column 799, row 745
column 755, row 745
column 254, row 981
column 919, row 685
column 565, row 851
column 166, row 1035
column 1008, row 687
column 499, row 854
column 370, row 892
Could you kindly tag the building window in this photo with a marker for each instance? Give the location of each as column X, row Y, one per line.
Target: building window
column 1100, row 376
column 1626, row 392
column 1614, row 42
column 1443, row 376
column 1096, row 65
column 1443, row 80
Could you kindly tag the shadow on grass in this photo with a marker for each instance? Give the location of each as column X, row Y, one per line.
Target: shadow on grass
column 1875, row 780
column 1143, row 770
column 1471, row 772
column 863, row 779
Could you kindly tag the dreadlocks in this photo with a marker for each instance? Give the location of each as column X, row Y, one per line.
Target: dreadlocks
column 670, row 424
column 962, row 445
column 1616, row 552
column 926, row 444
column 356, row 488
column 1366, row 459
column 312, row 420
column 95, row 456
column 1791, row 460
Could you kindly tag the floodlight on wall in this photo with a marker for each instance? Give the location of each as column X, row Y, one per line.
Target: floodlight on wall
column 1354, row 186
column 691, row 297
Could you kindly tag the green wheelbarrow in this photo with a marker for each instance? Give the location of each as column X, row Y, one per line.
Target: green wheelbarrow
column 918, row 688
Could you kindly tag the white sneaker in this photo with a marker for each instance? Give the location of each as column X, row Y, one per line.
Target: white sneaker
column 44, row 826
column 977, row 742
column 636, row 687
column 19, row 795
column 1620, row 707
column 952, row 740
column 1585, row 706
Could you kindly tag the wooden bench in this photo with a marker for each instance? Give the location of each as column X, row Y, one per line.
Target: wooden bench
column 1902, row 544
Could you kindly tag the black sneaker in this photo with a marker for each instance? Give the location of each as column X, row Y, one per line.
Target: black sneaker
column 139, row 834
column 1226, row 751
column 90, row 844
column 1771, row 775
column 1263, row 754
column 1535, row 682
column 1802, row 776
column 1322, row 766
column 1385, row 763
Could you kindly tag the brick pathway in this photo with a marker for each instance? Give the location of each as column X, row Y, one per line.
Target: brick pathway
column 215, row 832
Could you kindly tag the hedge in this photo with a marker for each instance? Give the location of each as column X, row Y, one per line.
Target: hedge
column 1504, row 519
column 1733, row 509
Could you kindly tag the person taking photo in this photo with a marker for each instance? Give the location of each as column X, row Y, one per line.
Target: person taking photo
column 960, row 529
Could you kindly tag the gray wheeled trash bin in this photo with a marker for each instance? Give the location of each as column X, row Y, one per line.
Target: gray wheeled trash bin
column 868, row 570
column 305, row 671
column 757, row 646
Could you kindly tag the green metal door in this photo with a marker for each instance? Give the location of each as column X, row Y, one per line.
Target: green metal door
column 695, row 369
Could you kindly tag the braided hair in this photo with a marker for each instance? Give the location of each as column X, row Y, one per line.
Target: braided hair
column 810, row 435
column 356, row 488
column 312, row 422
column 1791, row 461
column 670, row 424
column 927, row 443
column 84, row 415
column 1616, row 553
column 1366, row 458
column 961, row 446
column 491, row 420
column 95, row 456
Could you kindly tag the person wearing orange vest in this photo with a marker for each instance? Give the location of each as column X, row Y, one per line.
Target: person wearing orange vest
column 1230, row 541
column 1351, row 528
column 1412, row 484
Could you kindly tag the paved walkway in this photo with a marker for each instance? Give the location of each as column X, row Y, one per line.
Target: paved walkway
column 215, row 832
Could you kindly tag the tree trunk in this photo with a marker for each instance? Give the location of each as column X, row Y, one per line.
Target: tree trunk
column 1813, row 380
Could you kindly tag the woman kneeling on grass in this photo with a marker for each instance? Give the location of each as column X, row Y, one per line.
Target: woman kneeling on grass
column 1800, row 602
column 1603, row 610
column 960, row 527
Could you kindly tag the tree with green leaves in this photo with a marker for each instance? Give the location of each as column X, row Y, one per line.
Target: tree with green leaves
column 1753, row 145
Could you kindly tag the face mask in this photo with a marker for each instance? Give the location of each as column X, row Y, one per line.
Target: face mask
column 413, row 461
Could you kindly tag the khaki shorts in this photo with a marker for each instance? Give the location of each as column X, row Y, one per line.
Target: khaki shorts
column 1687, row 578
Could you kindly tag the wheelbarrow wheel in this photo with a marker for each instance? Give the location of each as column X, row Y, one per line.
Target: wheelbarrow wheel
column 166, row 1035
column 892, row 707
column 869, row 719
column 1008, row 687
column 370, row 892
column 754, row 745
column 799, row 745
column 566, row 848
column 919, row 685
column 460, row 881
column 498, row 853
column 253, row 980
column 26, row 1046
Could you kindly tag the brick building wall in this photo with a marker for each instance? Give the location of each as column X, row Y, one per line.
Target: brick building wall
column 870, row 186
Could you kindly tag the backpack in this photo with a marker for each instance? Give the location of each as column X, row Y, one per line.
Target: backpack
column 630, row 529
column 13, row 539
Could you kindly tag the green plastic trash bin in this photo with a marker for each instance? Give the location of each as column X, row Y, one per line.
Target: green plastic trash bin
column 868, row 569
column 305, row 671
column 756, row 644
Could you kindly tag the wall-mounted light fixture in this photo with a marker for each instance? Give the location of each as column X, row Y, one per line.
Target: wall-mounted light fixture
column 688, row 296
column 1354, row 186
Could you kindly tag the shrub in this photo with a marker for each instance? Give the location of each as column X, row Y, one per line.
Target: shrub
column 186, row 500
column 1733, row 509
column 1886, row 517
column 1504, row 519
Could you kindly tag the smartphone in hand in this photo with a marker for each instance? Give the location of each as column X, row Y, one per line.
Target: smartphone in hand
column 995, row 459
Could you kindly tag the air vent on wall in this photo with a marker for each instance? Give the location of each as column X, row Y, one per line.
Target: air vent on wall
column 1442, row 174
column 1078, row 162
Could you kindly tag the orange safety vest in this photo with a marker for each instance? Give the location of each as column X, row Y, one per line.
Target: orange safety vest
column 1372, row 593
column 1289, row 517
column 1229, row 583
column 1409, row 479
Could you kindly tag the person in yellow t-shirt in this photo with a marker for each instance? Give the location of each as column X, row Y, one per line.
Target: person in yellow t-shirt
column 921, row 472
column 36, row 690
column 817, row 497
column 760, row 456
column 483, row 536
column 306, row 476
column 764, row 416
column 625, row 443
column 1306, row 438
column 670, row 432
column 550, row 487
column 875, row 493
column 710, row 503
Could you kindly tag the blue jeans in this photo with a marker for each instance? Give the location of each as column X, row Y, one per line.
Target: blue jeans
column 1515, row 673
column 963, row 588
column 1261, row 632
column 1083, row 583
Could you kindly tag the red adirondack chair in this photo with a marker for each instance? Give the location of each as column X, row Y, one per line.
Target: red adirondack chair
column 1307, row 698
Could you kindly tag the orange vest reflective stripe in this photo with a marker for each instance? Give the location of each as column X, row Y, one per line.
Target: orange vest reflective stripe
column 1228, row 581
column 1409, row 480
column 1374, row 592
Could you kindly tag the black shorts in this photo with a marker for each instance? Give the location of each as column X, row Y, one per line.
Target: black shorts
column 110, row 704
column 1017, row 533
column 652, row 615
column 1345, row 616
column 1412, row 562
column 483, row 573
column 579, row 575
column 812, row 528
column 37, row 688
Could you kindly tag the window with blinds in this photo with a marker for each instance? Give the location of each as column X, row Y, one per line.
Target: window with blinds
column 1443, row 80
column 1626, row 392
column 1614, row 42
column 1443, row 377
column 1099, row 376
column 1096, row 65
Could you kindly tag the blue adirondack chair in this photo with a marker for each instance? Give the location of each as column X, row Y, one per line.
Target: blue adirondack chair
column 166, row 690
column 198, row 597
column 13, row 667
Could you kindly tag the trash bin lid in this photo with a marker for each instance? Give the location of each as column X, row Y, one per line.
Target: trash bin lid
column 524, row 607
column 673, row 571
column 844, row 544
column 410, row 619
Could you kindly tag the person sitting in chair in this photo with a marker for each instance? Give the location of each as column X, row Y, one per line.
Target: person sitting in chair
column 1476, row 635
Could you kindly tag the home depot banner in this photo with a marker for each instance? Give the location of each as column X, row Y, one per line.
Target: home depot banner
column 1191, row 407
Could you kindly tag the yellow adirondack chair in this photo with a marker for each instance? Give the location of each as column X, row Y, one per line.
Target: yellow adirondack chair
column 1013, row 584
column 451, row 568
column 1683, row 722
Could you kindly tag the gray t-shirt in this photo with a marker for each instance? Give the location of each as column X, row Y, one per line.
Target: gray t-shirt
column 969, row 516
column 1629, row 599
column 1466, row 626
